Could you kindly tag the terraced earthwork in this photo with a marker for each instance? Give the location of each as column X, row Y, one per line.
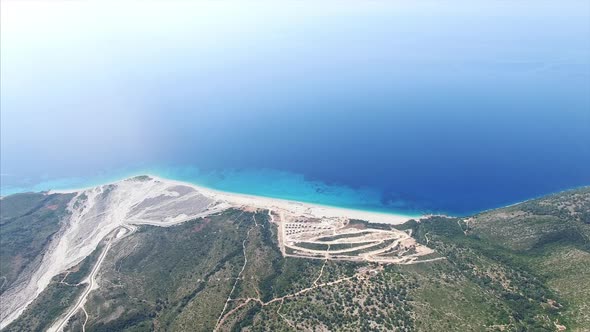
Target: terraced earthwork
column 349, row 239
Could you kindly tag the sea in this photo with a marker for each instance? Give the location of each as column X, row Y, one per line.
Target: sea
column 406, row 107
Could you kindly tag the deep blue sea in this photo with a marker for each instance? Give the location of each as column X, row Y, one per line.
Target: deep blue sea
column 404, row 106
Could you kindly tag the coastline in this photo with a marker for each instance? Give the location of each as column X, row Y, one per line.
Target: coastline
column 531, row 199
column 263, row 202
column 330, row 210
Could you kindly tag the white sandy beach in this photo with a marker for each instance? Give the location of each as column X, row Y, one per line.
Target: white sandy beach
column 294, row 207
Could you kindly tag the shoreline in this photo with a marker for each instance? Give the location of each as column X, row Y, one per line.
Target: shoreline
column 264, row 202
column 380, row 214
column 532, row 199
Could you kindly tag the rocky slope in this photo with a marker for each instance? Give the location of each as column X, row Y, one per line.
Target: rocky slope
column 93, row 214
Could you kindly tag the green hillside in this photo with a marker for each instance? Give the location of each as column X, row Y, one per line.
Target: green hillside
column 27, row 224
column 520, row 268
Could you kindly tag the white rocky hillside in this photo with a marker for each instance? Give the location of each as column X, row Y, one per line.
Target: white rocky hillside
column 96, row 212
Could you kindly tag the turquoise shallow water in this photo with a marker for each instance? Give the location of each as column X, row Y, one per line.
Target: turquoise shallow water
column 267, row 183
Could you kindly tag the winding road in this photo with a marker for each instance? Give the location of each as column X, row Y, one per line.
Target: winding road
column 63, row 321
